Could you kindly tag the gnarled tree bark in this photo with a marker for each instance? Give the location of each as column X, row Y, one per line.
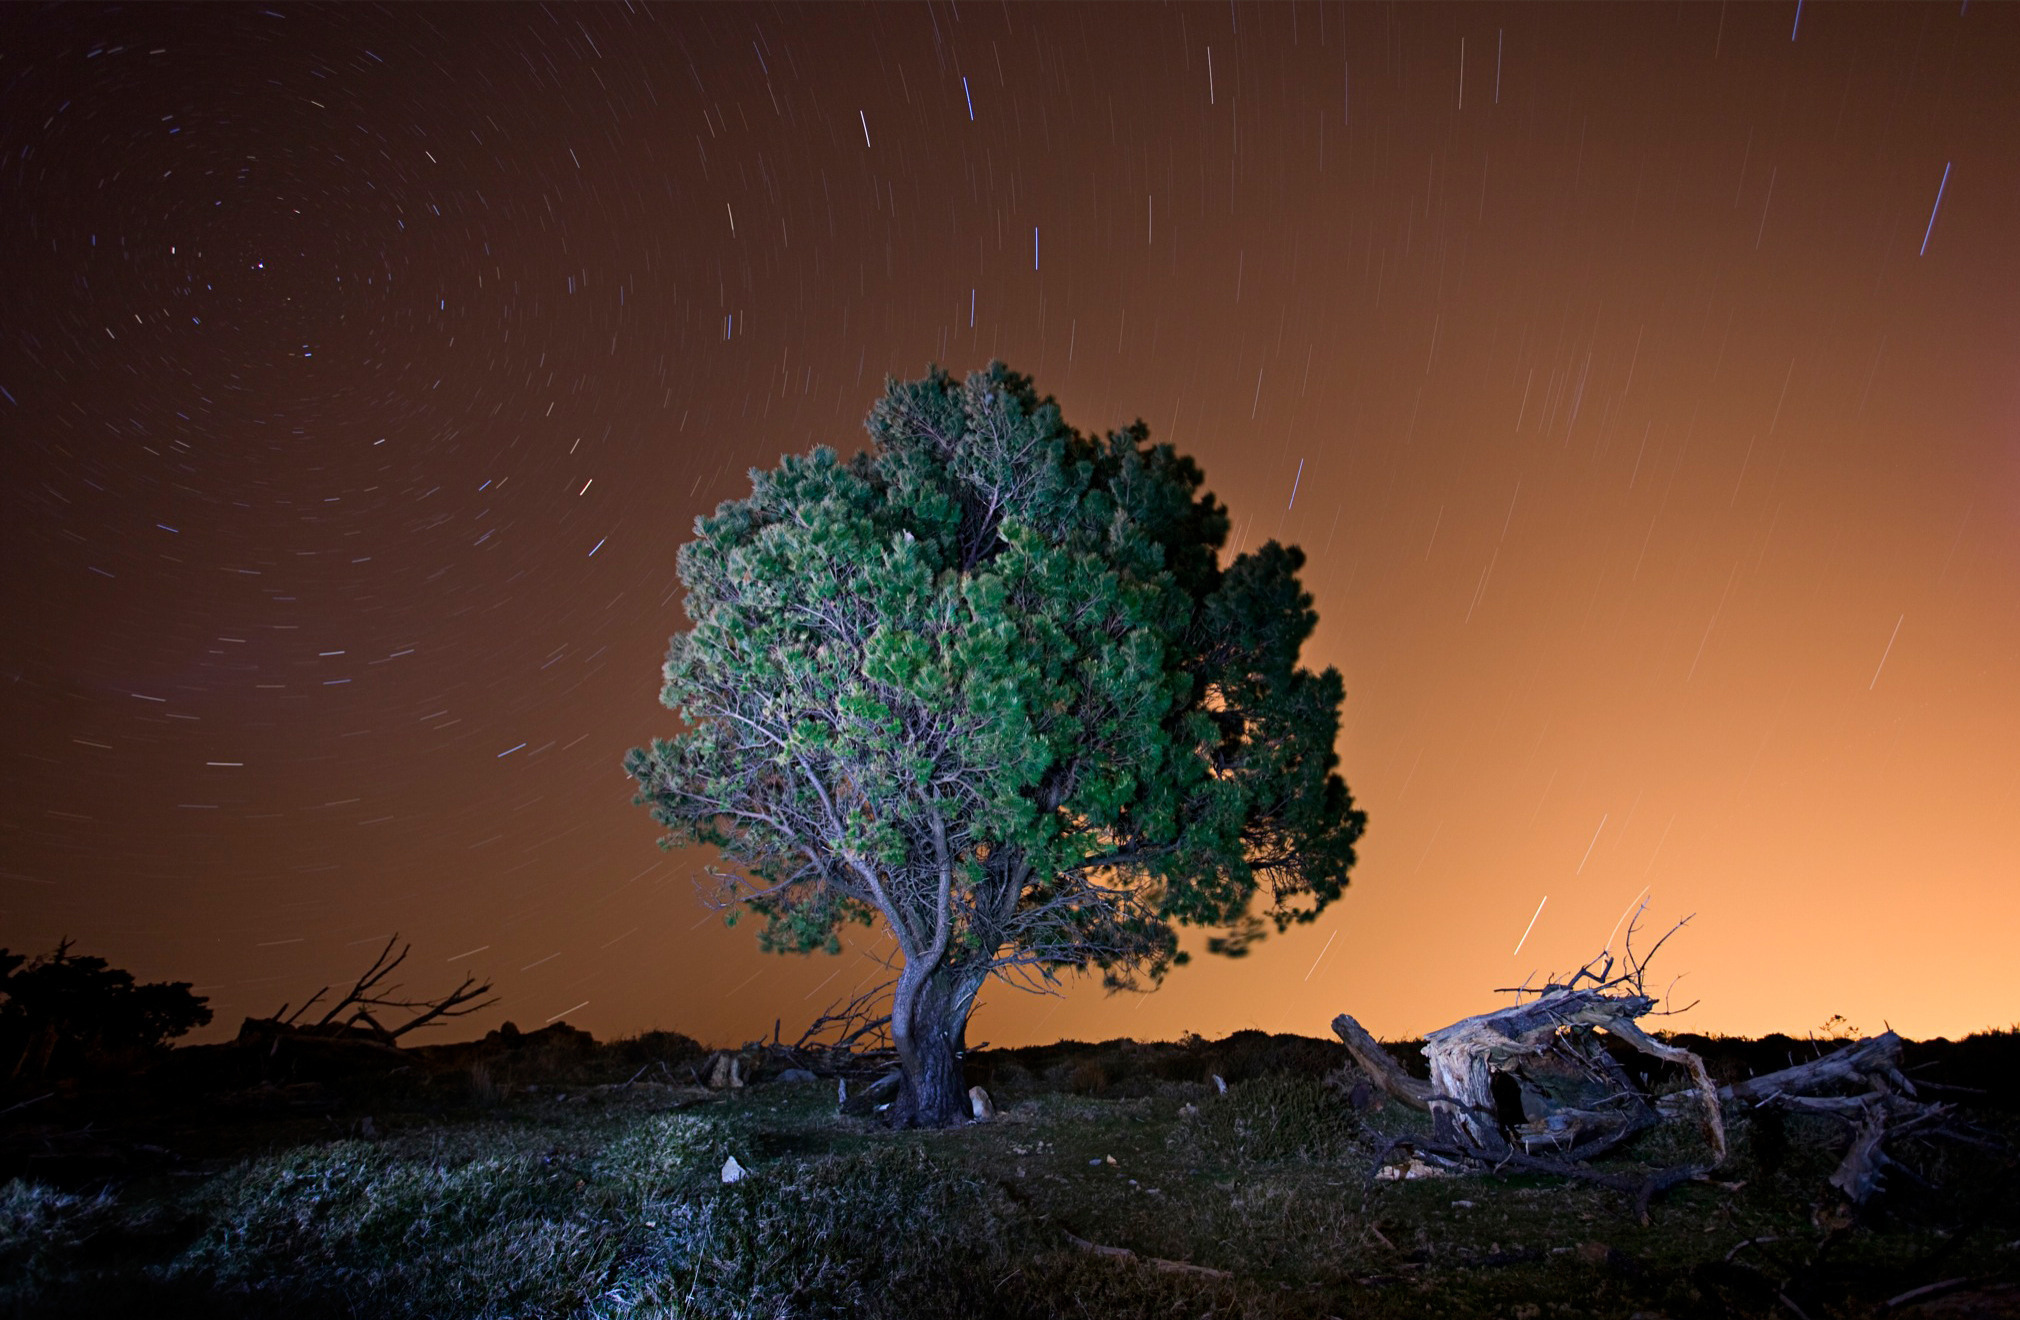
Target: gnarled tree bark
column 929, row 1022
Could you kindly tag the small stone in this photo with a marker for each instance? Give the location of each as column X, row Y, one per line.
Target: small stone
column 796, row 1076
column 732, row 1171
column 1410, row 1171
column 1468, row 1205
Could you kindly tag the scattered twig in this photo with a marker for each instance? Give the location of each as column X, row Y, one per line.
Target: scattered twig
column 1155, row 1262
column 1789, row 1302
column 1751, row 1242
column 25, row 1103
column 1923, row 1293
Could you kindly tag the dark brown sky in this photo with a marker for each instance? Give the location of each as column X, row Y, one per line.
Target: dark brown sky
column 1653, row 430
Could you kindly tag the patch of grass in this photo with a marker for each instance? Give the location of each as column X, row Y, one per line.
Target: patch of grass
column 1270, row 1119
column 609, row 1203
column 464, row 1228
column 884, row 1233
column 41, row 1226
column 660, row 1154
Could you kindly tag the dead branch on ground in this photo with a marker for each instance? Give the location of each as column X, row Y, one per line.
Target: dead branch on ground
column 357, row 1014
column 1536, row 1087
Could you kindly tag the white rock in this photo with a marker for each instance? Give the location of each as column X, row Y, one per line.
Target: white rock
column 732, row 1171
column 1411, row 1171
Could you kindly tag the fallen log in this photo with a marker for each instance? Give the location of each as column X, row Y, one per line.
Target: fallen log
column 1536, row 1087
column 1465, row 1056
column 1860, row 1173
column 1858, row 1064
column 1714, row 1112
column 1382, row 1070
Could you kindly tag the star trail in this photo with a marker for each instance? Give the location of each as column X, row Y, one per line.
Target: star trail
column 1640, row 380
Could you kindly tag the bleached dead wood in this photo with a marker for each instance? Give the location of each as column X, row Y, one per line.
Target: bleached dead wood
column 1382, row 1070
column 1465, row 1056
column 1857, row 1064
column 1578, row 1102
column 1714, row 1111
column 1859, row 1174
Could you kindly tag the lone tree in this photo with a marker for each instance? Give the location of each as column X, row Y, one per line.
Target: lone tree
column 990, row 683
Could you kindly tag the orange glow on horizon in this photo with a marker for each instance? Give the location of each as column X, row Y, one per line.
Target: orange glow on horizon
column 1652, row 430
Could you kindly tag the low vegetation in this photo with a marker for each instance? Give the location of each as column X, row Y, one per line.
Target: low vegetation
column 544, row 1175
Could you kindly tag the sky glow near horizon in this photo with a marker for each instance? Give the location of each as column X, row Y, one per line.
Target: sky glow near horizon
column 1640, row 381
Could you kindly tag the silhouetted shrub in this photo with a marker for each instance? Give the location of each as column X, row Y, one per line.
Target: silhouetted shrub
column 61, row 1012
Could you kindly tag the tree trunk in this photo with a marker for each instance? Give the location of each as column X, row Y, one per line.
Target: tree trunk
column 929, row 1024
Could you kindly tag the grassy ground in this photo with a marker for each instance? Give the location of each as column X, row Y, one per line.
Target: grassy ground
column 480, row 1193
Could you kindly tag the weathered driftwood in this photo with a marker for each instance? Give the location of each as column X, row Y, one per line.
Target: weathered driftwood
column 1714, row 1111
column 1579, row 1103
column 1465, row 1057
column 1382, row 1070
column 1858, row 1064
column 1552, row 1054
column 1882, row 1107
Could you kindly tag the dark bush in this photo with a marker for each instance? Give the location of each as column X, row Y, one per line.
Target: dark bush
column 61, row 1013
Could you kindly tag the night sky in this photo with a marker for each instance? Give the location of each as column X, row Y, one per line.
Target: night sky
column 1643, row 382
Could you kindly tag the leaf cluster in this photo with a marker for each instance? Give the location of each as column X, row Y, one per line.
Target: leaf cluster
column 990, row 681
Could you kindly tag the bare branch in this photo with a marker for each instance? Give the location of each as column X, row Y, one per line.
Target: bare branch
column 354, row 1011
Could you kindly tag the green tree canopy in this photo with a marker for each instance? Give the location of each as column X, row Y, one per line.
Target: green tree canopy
column 990, row 683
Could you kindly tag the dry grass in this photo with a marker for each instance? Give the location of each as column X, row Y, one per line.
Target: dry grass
column 532, row 1206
